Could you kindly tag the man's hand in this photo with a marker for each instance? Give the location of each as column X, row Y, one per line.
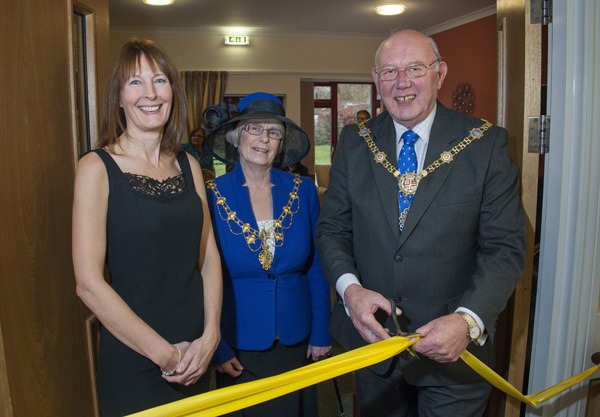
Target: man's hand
column 362, row 305
column 232, row 367
column 318, row 352
column 443, row 339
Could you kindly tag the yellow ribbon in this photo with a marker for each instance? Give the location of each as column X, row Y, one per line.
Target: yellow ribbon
column 226, row 400
column 533, row 399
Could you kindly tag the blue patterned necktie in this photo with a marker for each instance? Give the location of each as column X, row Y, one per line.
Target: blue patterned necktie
column 407, row 162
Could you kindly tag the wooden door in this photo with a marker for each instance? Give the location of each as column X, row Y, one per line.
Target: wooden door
column 43, row 354
column 519, row 95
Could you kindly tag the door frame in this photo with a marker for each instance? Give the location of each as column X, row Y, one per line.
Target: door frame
column 567, row 320
column 519, row 97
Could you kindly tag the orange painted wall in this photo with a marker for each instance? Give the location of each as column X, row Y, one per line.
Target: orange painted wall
column 471, row 53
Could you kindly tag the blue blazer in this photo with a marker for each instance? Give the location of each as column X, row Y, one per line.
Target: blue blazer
column 291, row 300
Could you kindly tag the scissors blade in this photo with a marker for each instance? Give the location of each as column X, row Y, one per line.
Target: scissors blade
column 399, row 331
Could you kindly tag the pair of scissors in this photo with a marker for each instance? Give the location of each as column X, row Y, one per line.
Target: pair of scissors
column 399, row 331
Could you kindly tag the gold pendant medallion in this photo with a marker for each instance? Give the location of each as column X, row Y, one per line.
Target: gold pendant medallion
column 265, row 258
column 409, row 183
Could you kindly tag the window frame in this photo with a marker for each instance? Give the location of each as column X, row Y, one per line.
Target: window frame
column 333, row 105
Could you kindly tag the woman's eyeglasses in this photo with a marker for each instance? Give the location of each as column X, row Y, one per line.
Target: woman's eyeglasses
column 256, row 130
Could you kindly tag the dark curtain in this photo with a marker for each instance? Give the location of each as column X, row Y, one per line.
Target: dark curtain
column 203, row 89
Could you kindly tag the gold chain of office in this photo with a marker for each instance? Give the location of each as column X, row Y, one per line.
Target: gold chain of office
column 409, row 182
column 259, row 239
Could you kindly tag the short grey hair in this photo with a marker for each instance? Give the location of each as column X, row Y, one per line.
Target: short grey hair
column 233, row 136
column 434, row 47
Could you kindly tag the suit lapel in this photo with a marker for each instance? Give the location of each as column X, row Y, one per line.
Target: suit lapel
column 442, row 138
column 384, row 136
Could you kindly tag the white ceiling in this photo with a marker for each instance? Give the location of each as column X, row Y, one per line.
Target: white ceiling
column 352, row 18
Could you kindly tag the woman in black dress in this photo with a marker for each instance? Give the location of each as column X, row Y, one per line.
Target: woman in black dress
column 140, row 209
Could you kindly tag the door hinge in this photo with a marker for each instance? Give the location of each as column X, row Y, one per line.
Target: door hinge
column 541, row 12
column 539, row 134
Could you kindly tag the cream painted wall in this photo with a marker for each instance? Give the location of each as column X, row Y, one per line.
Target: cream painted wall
column 273, row 64
column 345, row 56
column 285, row 84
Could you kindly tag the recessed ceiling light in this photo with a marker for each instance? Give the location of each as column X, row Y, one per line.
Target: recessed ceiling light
column 159, row 2
column 390, row 9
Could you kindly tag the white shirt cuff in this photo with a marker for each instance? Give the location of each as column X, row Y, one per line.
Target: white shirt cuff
column 344, row 282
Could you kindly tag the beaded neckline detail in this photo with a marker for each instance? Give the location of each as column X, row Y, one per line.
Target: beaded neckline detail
column 168, row 190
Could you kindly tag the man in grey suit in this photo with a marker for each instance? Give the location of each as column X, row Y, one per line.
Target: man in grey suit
column 448, row 255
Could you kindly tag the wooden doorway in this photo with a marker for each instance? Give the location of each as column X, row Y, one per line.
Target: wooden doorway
column 520, row 97
column 43, row 362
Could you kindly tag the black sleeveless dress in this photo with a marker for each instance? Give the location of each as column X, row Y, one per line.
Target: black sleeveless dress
column 153, row 232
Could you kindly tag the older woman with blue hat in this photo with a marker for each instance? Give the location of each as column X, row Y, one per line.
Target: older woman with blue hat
column 276, row 301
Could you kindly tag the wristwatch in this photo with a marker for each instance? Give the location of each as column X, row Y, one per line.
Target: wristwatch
column 474, row 330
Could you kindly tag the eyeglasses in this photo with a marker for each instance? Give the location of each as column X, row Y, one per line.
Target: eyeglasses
column 256, row 130
column 413, row 71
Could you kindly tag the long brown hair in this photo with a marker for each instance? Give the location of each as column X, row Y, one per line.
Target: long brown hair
column 126, row 63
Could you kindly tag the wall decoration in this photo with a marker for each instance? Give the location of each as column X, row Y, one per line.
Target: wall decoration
column 463, row 98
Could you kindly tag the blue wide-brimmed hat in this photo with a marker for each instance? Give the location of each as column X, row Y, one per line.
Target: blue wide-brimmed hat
column 260, row 106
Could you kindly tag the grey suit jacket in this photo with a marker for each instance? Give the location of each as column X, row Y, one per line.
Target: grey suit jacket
column 463, row 242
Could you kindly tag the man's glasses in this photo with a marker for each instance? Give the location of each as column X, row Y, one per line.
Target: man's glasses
column 413, row 71
column 256, row 130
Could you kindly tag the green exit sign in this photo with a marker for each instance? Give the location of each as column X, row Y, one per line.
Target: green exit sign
column 237, row 40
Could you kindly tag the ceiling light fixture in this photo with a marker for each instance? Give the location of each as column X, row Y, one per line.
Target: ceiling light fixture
column 390, row 9
column 158, row 2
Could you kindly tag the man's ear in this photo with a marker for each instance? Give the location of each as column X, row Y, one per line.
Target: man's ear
column 375, row 79
column 442, row 71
